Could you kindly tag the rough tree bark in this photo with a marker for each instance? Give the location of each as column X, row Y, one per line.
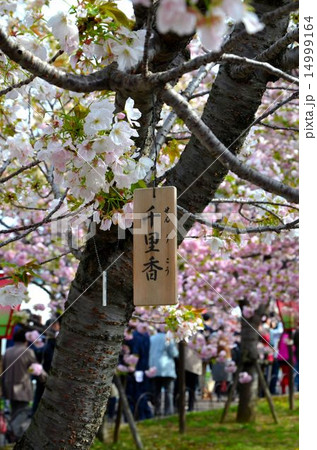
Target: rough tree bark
column 248, row 393
column 89, row 343
column 87, row 349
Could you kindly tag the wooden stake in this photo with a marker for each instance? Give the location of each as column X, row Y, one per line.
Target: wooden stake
column 128, row 413
column 266, row 391
column 230, row 395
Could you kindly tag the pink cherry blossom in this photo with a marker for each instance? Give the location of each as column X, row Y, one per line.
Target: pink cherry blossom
column 172, row 16
column 131, row 359
column 231, row 367
column 123, row 369
column 36, row 369
column 32, row 336
column 244, row 378
column 247, row 311
column 39, row 307
column 151, row 372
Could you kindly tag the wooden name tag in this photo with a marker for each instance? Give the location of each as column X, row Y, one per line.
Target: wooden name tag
column 155, row 246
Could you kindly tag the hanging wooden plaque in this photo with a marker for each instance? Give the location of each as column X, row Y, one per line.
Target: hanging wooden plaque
column 155, row 246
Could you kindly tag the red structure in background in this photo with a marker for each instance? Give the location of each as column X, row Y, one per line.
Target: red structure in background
column 6, row 312
column 289, row 312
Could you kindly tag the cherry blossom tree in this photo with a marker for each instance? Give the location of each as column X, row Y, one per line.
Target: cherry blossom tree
column 95, row 104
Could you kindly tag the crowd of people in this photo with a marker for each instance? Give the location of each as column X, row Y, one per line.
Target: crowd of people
column 25, row 365
column 149, row 366
column 277, row 362
column 151, row 379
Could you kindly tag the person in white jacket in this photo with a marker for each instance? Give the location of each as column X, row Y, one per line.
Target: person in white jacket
column 193, row 369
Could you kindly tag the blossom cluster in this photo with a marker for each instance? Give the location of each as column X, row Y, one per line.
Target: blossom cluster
column 103, row 160
column 36, row 369
column 13, row 294
column 183, row 18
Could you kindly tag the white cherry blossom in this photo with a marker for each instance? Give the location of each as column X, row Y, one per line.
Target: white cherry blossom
column 143, row 166
column 13, row 295
column 33, row 45
column 133, row 114
column 129, row 51
column 65, row 31
column 212, row 29
column 60, row 158
column 121, row 134
column 100, row 117
column 233, row 8
column 146, row 3
column 251, row 22
column 105, row 224
column 85, row 152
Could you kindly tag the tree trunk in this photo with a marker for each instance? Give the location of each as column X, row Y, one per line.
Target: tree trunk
column 87, row 350
column 248, row 392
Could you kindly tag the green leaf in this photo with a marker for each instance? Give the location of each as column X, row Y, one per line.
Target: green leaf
column 111, row 10
column 139, row 185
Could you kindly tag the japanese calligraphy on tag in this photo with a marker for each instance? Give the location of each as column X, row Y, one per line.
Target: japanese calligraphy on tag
column 155, row 246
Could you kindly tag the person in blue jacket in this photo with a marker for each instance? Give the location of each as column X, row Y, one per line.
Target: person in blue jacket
column 162, row 354
column 138, row 386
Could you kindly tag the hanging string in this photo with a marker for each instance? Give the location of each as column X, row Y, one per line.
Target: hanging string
column 155, row 144
column 97, row 255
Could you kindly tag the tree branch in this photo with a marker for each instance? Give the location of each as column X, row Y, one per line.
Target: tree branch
column 30, row 208
column 54, row 258
column 282, row 88
column 261, row 229
column 272, row 214
column 109, row 78
column 199, row 61
column 106, row 79
column 42, row 286
column 29, row 79
column 274, row 127
column 236, row 230
column 17, row 172
column 4, row 166
column 252, row 202
column 37, row 225
column 170, row 119
column 279, row 46
column 260, row 64
column 216, row 148
column 274, row 53
column 289, row 59
column 272, row 110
